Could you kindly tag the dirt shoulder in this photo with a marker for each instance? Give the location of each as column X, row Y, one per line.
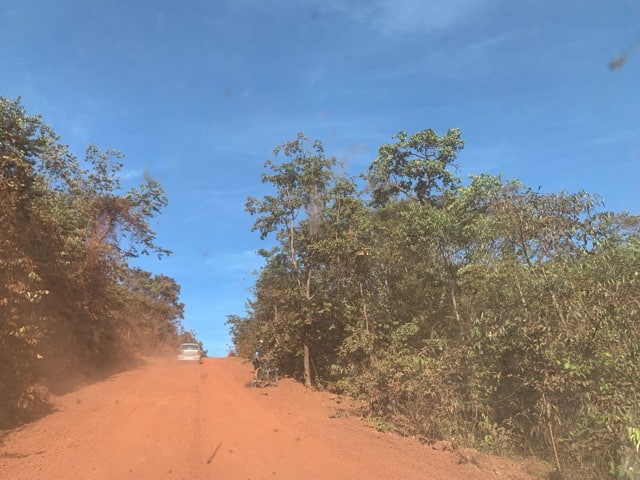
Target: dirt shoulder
column 166, row 420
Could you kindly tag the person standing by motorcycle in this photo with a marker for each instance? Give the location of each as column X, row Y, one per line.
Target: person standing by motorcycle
column 257, row 362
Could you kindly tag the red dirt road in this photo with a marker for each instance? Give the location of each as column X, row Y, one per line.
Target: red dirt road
column 186, row 421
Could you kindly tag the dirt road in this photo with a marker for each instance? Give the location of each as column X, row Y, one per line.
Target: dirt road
column 166, row 420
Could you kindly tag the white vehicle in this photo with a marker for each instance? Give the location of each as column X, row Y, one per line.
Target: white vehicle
column 190, row 352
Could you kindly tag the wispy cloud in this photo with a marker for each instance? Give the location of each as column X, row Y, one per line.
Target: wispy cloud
column 489, row 158
column 242, row 262
column 473, row 58
column 130, row 174
column 501, row 39
column 220, row 194
column 408, row 16
column 79, row 132
column 622, row 136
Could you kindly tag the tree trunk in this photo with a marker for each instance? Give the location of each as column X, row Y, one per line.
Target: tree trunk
column 364, row 309
column 455, row 310
column 307, row 368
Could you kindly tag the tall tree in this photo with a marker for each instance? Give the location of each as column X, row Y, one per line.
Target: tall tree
column 306, row 185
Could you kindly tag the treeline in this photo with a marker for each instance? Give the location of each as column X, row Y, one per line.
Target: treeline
column 68, row 297
column 486, row 312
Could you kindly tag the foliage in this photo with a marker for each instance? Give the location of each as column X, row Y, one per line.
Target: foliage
column 488, row 312
column 67, row 294
column 415, row 166
column 312, row 216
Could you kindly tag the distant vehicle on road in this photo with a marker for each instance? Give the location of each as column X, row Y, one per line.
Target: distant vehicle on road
column 190, row 352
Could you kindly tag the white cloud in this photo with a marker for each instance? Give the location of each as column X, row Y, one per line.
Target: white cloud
column 79, row 132
column 130, row 174
column 408, row 16
column 492, row 42
column 243, row 262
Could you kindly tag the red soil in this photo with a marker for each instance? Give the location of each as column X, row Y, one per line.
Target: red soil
column 166, row 420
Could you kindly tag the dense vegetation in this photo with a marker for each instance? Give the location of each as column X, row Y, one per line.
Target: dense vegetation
column 68, row 297
column 482, row 311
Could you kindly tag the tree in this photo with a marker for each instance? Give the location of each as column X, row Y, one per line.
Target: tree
column 68, row 232
column 153, row 307
column 416, row 166
column 308, row 203
column 502, row 316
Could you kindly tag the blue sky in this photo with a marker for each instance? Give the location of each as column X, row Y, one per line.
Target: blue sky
column 198, row 93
